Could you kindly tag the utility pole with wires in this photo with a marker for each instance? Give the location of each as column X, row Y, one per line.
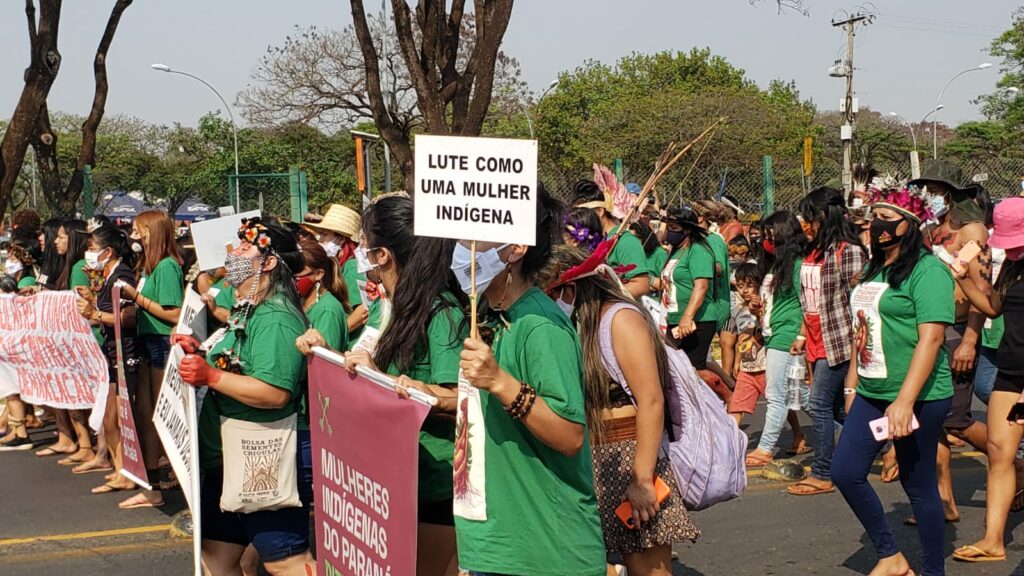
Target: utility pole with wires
column 849, row 24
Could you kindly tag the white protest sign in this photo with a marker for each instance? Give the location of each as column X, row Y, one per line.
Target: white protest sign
column 192, row 315
column 211, row 237
column 476, row 189
column 176, row 421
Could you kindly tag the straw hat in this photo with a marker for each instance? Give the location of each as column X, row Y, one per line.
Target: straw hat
column 340, row 219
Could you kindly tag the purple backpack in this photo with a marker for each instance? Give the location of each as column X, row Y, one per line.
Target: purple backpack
column 705, row 446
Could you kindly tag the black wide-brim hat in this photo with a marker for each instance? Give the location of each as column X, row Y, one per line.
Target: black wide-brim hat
column 944, row 172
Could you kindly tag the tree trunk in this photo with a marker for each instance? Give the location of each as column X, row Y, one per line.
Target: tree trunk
column 394, row 136
column 39, row 77
column 44, row 143
column 87, row 152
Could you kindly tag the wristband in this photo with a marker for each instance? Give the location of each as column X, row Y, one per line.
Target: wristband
column 801, row 337
column 849, row 391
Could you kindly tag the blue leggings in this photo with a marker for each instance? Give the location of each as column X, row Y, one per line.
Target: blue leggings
column 852, row 460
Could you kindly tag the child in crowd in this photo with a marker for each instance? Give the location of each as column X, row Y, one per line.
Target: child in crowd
column 745, row 327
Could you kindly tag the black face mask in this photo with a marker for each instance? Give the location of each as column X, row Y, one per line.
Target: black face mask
column 883, row 232
column 674, row 238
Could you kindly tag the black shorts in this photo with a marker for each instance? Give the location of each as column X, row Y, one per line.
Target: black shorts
column 438, row 513
column 695, row 345
column 1007, row 383
column 959, row 416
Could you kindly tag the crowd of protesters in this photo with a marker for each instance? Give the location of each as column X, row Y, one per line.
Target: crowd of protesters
column 865, row 292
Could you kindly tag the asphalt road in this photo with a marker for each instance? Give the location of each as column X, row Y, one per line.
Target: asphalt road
column 51, row 525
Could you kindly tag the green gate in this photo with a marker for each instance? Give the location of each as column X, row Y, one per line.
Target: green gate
column 283, row 195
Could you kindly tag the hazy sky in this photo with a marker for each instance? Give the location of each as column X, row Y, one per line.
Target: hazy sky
column 902, row 60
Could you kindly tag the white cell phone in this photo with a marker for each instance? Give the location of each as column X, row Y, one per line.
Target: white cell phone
column 880, row 427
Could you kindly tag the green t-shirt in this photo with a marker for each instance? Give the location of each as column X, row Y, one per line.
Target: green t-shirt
column 542, row 517
column 78, row 275
column 268, row 353
column 225, row 298
column 886, row 321
column 684, row 266
column 328, row 317
column 656, row 262
column 628, row 250
column 26, row 282
column 350, row 274
column 166, row 287
column 438, row 363
column 992, row 335
column 783, row 315
column 721, row 283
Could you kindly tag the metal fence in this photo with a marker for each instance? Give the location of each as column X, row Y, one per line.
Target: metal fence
column 283, row 195
column 1000, row 176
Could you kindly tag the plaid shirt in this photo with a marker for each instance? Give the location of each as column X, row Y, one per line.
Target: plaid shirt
column 838, row 272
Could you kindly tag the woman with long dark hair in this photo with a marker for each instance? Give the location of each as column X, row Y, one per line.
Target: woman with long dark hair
column 582, row 228
column 254, row 375
column 74, row 438
column 158, row 296
column 898, row 370
column 835, row 258
column 420, row 344
column 111, row 256
column 522, row 415
column 784, row 246
column 626, row 374
column 1007, row 300
column 52, row 261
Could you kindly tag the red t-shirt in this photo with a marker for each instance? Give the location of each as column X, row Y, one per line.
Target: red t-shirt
column 810, row 285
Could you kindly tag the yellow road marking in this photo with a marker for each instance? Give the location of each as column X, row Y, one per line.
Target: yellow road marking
column 85, row 535
column 165, row 544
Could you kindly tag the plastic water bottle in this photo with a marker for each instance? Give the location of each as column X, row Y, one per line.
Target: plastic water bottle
column 796, row 381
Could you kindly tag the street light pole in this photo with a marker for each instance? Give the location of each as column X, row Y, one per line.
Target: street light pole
column 938, row 101
column 915, row 160
column 526, row 111
column 234, row 127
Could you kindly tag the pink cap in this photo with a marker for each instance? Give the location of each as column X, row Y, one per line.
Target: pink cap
column 1008, row 224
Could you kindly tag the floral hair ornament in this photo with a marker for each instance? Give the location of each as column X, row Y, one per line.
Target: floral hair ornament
column 594, row 264
column 911, row 203
column 581, row 234
column 254, row 232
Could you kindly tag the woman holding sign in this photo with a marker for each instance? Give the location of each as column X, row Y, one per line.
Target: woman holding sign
column 109, row 253
column 158, row 298
column 421, row 347
column 255, row 380
column 522, row 416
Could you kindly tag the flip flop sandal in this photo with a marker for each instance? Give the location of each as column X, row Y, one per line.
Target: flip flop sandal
column 887, row 470
column 72, row 461
column 753, row 461
column 108, row 489
column 46, row 452
column 815, row 490
column 145, row 503
column 799, row 451
column 85, row 469
column 975, row 554
column 911, row 521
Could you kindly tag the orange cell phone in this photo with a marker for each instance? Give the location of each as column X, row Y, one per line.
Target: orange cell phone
column 625, row 510
column 969, row 252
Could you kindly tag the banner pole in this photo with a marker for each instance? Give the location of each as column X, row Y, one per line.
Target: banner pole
column 472, row 295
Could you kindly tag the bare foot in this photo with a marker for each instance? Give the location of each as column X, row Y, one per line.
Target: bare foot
column 890, row 467
column 144, row 499
column 799, row 446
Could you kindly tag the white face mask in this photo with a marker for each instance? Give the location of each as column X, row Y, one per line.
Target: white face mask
column 13, row 267
column 563, row 305
column 92, row 260
column 488, row 266
column 332, row 248
column 363, row 264
column 937, row 204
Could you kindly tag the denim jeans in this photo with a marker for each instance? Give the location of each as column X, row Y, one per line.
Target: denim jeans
column 985, row 374
column 775, row 395
column 827, row 408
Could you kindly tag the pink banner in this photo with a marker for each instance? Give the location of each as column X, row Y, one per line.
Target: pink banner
column 132, row 466
column 48, row 353
column 365, row 454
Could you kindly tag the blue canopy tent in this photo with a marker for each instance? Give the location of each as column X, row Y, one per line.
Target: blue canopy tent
column 120, row 206
column 193, row 210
